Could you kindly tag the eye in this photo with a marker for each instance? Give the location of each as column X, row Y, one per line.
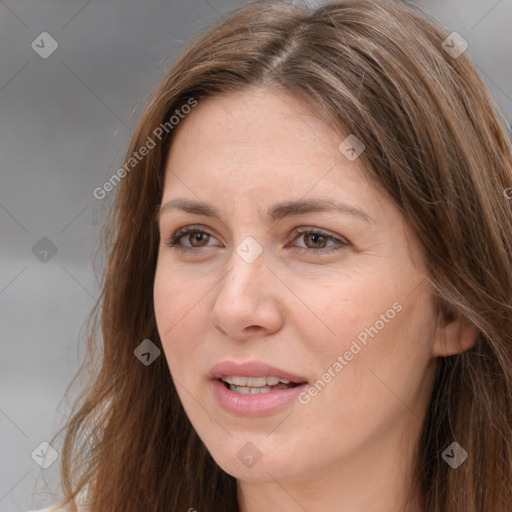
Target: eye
column 319, row 239
column 311, row 236
column 194, row 234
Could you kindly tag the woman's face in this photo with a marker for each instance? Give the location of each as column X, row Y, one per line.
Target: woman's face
column 341, row 308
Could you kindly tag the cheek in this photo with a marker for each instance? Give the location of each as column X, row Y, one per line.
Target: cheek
column 375, row 324
column 174, row 298
column 354, row 309
column 163, row 290
column 390, row 355
column 181, row 314
column 172, row 303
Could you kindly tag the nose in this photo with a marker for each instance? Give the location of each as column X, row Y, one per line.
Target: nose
column 247, row 303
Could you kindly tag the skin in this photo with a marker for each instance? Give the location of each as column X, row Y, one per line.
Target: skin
column 351, row 447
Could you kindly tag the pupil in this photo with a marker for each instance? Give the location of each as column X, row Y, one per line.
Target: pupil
column 310, row 236
column 200, row 235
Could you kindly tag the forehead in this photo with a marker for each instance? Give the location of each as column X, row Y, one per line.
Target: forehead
column 257, row 136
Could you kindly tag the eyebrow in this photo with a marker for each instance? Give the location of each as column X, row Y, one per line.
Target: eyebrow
column 275, row 212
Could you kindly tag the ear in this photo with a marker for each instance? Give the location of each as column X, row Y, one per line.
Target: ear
column 454, row 334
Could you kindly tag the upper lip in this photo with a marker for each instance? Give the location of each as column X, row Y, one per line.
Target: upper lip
column 252, row 369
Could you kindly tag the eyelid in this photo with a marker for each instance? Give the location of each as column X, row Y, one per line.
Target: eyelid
column 340, row 242
column 172, row 241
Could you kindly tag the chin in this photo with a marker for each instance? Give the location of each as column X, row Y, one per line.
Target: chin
column 266, row 469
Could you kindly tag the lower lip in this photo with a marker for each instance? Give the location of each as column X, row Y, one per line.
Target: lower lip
column 255, row 405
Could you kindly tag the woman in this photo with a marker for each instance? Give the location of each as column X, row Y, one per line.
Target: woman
column 307, row 300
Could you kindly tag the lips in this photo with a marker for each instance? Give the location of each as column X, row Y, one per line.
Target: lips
column 254, row 388
column 229, row 370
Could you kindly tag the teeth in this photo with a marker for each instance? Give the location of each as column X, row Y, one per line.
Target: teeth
column 255, row 385
column 244, row 390
column 254, row 382
column 256, row 391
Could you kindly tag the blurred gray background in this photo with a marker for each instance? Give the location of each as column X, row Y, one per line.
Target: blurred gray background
column 65, row 123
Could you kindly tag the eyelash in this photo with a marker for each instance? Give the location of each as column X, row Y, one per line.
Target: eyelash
column 173, row 240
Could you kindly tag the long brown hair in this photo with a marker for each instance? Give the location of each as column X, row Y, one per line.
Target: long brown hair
column 435, row 142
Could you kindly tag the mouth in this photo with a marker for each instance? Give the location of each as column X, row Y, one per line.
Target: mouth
column 254, row 388
column 256, row 385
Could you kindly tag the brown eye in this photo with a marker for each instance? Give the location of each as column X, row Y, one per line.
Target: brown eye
column 317, row 240
column 199, row 236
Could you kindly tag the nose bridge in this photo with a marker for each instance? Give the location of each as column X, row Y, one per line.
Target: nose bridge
column 243, row 297
column 246, row 264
